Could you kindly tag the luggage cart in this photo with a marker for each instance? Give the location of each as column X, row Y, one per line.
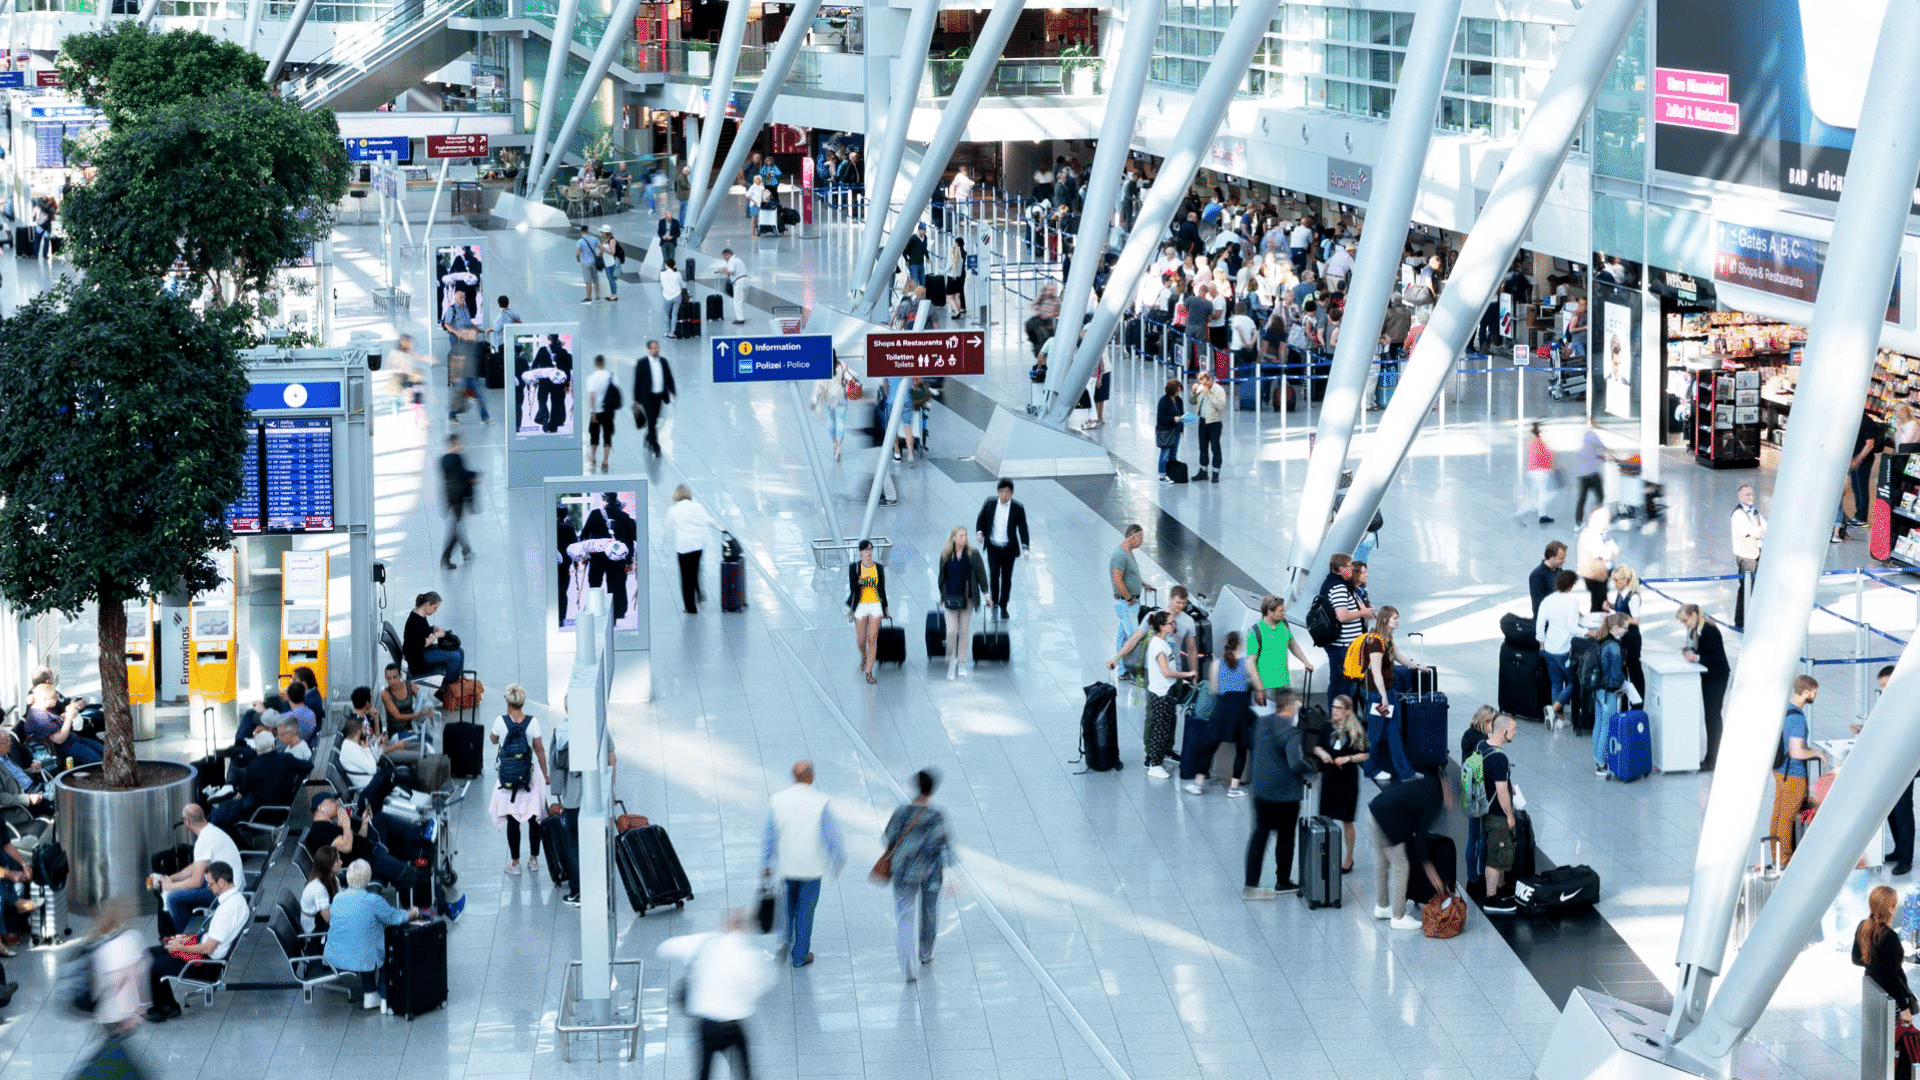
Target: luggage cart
column 1566, row 375
column 1635, row 498
column 791, row 318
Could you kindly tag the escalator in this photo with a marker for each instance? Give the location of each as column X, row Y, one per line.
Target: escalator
column 374, row 62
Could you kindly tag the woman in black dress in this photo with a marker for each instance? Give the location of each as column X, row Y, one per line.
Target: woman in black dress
column 1340, row 762
column 1876, row 947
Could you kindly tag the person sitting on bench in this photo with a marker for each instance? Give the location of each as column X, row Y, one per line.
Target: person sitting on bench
column 174, row 955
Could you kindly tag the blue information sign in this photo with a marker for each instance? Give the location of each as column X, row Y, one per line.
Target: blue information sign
column 773, row 359
column 13, row 80
column 270, row 397
column 400, row 146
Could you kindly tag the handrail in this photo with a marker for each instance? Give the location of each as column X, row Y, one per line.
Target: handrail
column 358, row 51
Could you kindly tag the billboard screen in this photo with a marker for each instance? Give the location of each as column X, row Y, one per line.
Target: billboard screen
column 1762, row 93
column 596, row 540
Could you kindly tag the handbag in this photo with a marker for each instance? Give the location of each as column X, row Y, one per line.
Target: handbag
column 853, row 389
column 765, row 907
column 882, row 871
column 1166, row 438
column 1183, row 692
column 1444, row 916
column 182, row 954
column 1907, row 1038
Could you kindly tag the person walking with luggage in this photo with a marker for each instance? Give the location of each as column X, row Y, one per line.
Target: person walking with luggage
column 1706, row 648
column 586, row 252
column 1555, row 624
column 800, row 845
column 1487, row 779
column 653, row 387
column 612, row 257
column 465, row 345
column 1627, row 600
column 866, row 604
column 1210, row 404
column 1588, row 467
column 733, row 273
column 1403, row 816
column 960, row 577
column 688, row 523
column 1876, row 947
column 1790, row 765
column 1234, row 680
column 1281, row 771
column 1166, row 429
column 456, row 484
column 1339, row 760
column 1001, row 527
column 521, row 793
column 1749, row 530
column 919, row 849
column 831, row 396
column 1539, row 478
column 1123, row 570
column 672, row 287
column 725, row 976
column 1609, row 675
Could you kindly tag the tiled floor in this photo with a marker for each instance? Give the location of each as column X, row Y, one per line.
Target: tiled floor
column 1097, row 928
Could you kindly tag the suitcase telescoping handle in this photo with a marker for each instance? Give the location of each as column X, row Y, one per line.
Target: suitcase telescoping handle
column 1770, row 854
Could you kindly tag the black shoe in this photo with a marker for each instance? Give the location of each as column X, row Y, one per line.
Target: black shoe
column 447, row 564
column 1500, row 905
column 1285, row 888
column 1857, row 523
column 1902, row 869
column 1171, row 756
column 1544, row 520
column 7, row 990
column 161, row 1014
column 1215, row 478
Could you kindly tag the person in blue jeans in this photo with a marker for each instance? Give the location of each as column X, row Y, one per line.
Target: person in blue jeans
column 1124, row 570
column 1386, row 735
column 1556, row 622
column 801, row 844
column 1606, row 691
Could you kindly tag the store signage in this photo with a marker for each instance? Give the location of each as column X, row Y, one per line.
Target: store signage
column 1778, row 263
column 1349, row 180
column 456, row 146
column 1694, row 99
column 13, row 80
column 46, row 78
column 897, row 355
column 1522, row 355
column 398, row 147
column 806, row 190
column 773, row 359
column 1682, row 287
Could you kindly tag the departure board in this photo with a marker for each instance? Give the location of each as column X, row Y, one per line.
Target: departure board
column 298, row 475
column 243, row 517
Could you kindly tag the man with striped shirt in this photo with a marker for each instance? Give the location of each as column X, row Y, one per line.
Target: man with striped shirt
column 1352, row 612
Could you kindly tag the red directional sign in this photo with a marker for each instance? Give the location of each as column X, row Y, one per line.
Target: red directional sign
column 456, row 146
column 46, row 78
column 926, row 352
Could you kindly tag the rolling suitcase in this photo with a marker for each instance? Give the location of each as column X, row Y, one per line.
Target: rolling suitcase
column 493, row 368
column 687, row 325
column 992, row 643
column 1629, row 745
column 556, row 837
column 650, row 869
column 733, row 574
column 716, row 307
column 1320, row 855
column 1518, row 630
column 789, row 216
column 416, row 967
column 1525, row 687
column 892, row 646
column 1756, row 888
column 465, row 743
column 1446, row 859
column 48, row 924
column 1525, row 857
column 1099, row 732
column 1582, row 696
column 937, row 635
column 1423, row 711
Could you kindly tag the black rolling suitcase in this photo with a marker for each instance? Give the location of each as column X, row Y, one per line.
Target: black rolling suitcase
column 465, row 742
column 688, row 323
column 416, row 967
column 992, row 643
column 1319, row 853
column 733, row 574
column 1524, row 686
column 716, row 307
column 892, row 646
column 650, row 869
column 1583, row 718
column 1099, row 731
column 936, row 634
column 1526, row 861
column 493, row 367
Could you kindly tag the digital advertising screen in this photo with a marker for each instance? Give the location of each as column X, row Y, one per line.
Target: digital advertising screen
column 1762, row 93
column 595, row 536
column 456, row 280
column 543, row 384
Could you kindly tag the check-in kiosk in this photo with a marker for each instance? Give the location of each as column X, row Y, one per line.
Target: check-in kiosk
column 140, row 665
column 213, row 655
column 303, row 614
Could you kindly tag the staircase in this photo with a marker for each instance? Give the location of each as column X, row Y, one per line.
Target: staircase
column 375, row 62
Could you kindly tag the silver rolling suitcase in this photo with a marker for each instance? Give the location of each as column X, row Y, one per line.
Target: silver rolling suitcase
column 1319, row 855
column 1756, row 888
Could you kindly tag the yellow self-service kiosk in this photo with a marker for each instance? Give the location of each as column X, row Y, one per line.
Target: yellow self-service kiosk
column 213, row 655
column 140, row 658
column 303, row 614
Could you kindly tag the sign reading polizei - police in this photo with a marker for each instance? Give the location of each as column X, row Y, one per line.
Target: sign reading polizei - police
column 899, row 354
column 773, row 359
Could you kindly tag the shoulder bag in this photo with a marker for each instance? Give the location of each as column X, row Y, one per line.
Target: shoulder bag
column 882, row 871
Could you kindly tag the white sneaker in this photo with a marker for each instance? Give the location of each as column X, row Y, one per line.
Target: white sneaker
column 1158, row 772
column 1405, row 922
column 1381, row 911
column 513, row 868
column 370, row 999
column 1257, row 894
column 953, row 672
column 1194, row 788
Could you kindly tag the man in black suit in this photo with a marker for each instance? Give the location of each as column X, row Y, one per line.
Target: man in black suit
column 1002, row 529
column 652, row 389
column 669, row 233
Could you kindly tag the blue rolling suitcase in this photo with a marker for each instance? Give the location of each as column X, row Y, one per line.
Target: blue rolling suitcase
column 1629, row 745
column 1423, row 709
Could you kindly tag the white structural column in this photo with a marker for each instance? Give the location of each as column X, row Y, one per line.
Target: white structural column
column 1557, row 118
column 953, row 121
column 559, row 52
column 1217, row 87
column 147, row 11
column 250, row 34
column 1845, row 333
column 609, row 47
column 1376, row 267
column 891, row 147
column 719, row 88
column 799, row 25
column 294, row 26
column 1126, row 84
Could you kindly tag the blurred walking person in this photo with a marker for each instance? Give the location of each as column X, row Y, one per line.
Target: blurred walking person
column 919, row 850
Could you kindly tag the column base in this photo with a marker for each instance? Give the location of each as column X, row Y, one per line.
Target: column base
column 1600, row 1037
column 1020, row 446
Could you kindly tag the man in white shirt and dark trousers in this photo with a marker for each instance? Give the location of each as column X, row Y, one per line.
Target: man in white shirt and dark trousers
column 1555, row 624
column 652, row 389
column 225, row 923
column 1002, row 527
column 734, row 272
column 726, row 975
column 1749, row 530
column 801, row 844
column 603, row 397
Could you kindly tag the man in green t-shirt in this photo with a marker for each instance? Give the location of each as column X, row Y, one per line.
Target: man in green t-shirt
column 1124, row 571
column 1268, row 643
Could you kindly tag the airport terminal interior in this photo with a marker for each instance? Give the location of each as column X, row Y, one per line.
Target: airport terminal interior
column 1583, row 324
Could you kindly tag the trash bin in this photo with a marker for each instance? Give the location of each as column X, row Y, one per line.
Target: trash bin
column 466, row 198
column 143, row 723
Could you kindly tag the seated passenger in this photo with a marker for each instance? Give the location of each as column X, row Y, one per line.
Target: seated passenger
column 15, row 875
column 298, row 709
column 357, row 932
column 387, row 844
column 316, row 900
column 403, row 704
column 314, row 699
column 50, row 733
column 20, row 798
column 271, row 779
column 426, row 646
column 182, row 892
column 175, row 955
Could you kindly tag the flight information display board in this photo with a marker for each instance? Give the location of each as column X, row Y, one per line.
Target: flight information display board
column 287, row 486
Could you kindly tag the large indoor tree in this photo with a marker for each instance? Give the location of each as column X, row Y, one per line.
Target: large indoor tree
column 126, row 436
column 130, row 70
column 228, row 188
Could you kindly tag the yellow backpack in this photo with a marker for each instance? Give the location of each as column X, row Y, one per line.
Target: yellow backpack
column 1354, row 667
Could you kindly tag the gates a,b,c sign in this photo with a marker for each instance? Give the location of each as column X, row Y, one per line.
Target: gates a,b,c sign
column 773, row 359
column 901, row 354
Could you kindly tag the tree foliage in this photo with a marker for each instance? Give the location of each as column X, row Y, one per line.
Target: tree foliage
column 130, row 70
column 126, row 436
column 232, row 186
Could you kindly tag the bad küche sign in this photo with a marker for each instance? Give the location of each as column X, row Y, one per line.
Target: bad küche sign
column 931, row 352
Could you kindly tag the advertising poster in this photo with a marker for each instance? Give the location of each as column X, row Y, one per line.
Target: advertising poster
column 456, row 276
column 1762, row 93
column 1617, row 359
column 543, row 384
column 594, row 539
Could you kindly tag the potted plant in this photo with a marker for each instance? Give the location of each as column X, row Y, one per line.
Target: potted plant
column 1082, row 70
column 946, row 71
column 700, row 59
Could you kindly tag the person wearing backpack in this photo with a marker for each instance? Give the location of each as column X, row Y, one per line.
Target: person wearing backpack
column 1604, row 672
column 603, row 404
column 1349, row 613
column 1790, row 764
column 522, row 768
column 1269, row 641
column 1486, row 782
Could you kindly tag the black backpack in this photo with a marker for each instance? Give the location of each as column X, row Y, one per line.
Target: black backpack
column 1323, row 626
column 516, row 757
column 610, row 398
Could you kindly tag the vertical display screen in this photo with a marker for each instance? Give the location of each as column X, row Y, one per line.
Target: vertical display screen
column 243, row 517
column 299, row 476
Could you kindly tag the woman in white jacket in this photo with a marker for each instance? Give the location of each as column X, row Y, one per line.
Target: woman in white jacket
column 687, row 525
